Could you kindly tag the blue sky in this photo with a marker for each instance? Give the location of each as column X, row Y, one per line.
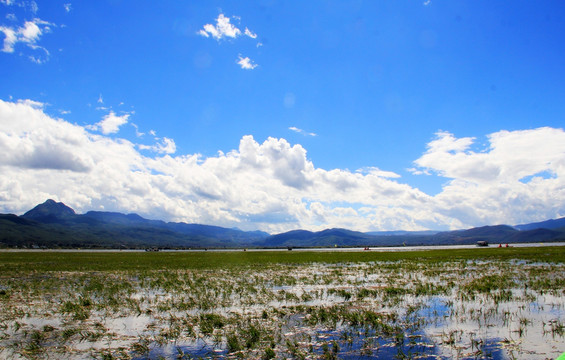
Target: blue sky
column 277, row 115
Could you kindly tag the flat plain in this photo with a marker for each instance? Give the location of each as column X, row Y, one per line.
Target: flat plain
column 483, row 303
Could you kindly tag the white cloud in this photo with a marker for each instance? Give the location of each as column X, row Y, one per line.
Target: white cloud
column 28, row 5
column 488, row 186
column 28, row 34
column 246, row 63
column 10, row 38
column 225, row 29
column 272, row 185
column 166, row 146
column 222, row 29
column 137, row 132
column 111, row 123
column 31, row 140
column 250, row 33
column 37, row 60
column 265, row 185
column 300, row 131
column 450, row 157
column 378, row 172
column 67, row 7
column 32, row 104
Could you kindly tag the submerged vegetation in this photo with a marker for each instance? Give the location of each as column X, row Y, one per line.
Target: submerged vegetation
column 436, row 304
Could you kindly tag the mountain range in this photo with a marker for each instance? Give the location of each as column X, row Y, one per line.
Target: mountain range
column 55, row 225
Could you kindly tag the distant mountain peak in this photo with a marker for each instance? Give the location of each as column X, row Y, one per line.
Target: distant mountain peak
column 50, row 208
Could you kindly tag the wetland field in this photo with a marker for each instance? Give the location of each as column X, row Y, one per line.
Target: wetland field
column 483, row 303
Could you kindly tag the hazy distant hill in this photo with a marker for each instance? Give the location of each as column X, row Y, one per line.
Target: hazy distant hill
column 402, row 233
column 329, row 237
column 341, row 237
column 536, row 235
column 204, row 231
column 53, row 224
column 495, row 233
column 548, row 224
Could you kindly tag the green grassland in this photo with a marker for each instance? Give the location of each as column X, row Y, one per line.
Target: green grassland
column 125, row 260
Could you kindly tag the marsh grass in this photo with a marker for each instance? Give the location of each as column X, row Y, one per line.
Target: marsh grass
column 41, row 262
column 456, row 303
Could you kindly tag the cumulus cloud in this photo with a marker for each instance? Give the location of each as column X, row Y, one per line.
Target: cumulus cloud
column 272, row 185
column 22, row 144
column 111, row 123
column 246, row 63
column 223, row 28
column 500, row 183
column 451, row 157
column 510, row 157
column 28, row 34
column 268, row 185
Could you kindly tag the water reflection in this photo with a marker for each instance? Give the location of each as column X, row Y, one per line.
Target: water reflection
column 380, row 310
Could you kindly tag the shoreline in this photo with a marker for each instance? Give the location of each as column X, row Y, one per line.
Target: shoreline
column 314, row 249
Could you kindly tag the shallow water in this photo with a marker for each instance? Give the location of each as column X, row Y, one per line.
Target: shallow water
column 350, row 311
